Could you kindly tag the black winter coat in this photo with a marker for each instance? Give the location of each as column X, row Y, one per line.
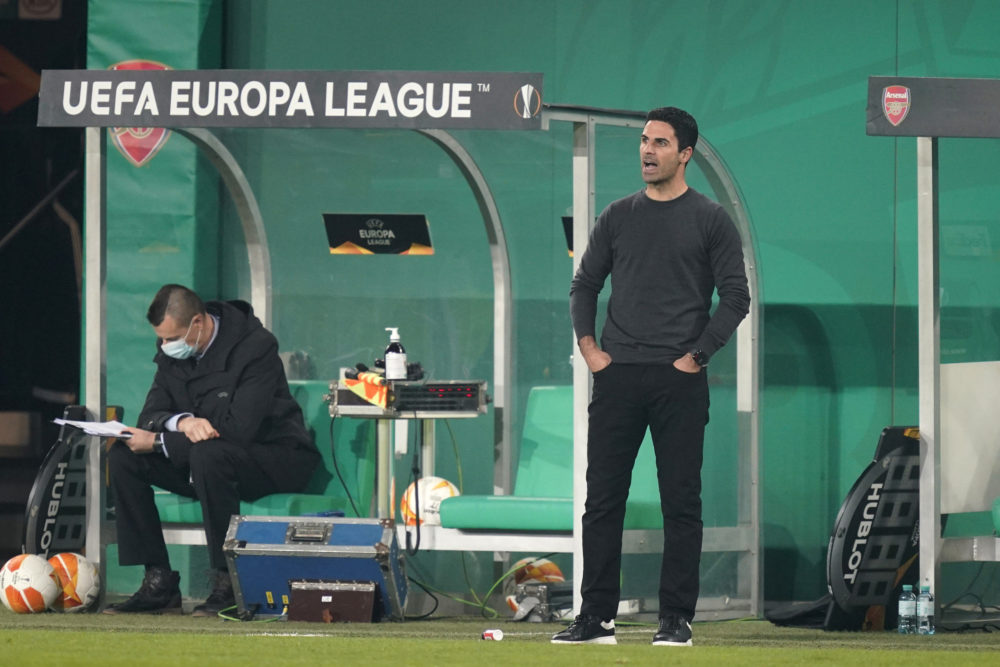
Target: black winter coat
column 240, row 387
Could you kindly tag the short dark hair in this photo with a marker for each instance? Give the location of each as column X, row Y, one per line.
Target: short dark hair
column 684, row 124
column 178, row 301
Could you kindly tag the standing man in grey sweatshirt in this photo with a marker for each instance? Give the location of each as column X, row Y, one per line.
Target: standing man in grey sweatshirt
column 667, row 248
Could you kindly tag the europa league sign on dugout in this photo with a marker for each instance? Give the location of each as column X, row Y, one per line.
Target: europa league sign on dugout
column 290, row 99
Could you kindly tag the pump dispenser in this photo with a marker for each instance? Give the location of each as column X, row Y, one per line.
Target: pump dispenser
column 395, row 356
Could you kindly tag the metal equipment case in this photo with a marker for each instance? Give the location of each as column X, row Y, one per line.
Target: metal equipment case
column 266, row 553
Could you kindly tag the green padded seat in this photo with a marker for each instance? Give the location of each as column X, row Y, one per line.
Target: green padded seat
column 178, row 509
column 533, row 513
column 507, row 513
column 996, row 515
column 293, row 504
column 543, row 486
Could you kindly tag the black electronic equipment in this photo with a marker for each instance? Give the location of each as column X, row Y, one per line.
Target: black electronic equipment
column 442, row 396
column 420, row 399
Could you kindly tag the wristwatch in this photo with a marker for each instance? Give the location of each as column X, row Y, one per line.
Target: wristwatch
column 699, row 357
column 158, row 444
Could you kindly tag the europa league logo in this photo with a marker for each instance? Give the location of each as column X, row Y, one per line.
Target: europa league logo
column 527, row 101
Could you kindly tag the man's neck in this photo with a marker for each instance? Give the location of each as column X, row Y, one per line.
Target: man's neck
column 209, row 333
column 666, row 190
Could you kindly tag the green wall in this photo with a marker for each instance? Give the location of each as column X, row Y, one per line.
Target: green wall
column 779, row 89
column 160, row 214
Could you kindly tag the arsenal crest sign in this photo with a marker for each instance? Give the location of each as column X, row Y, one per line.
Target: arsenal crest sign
column 139, row 144
column 916, row 106
column 895, row 103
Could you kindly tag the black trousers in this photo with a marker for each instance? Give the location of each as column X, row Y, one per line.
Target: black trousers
column 219, row 476
column 674, row 406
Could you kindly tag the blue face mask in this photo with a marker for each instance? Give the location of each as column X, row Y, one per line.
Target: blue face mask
column 179, row 349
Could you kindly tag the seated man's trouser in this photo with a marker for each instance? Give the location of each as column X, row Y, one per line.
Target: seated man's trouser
column 220, row 474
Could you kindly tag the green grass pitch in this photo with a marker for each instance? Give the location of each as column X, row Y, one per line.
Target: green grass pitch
column 148, row 640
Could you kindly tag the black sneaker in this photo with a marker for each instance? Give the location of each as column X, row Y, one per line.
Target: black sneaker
column 587, row 630
column 160, row 593
column 674, row 631
column 221, row 597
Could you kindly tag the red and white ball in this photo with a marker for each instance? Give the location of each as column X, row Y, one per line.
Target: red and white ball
column 537, row 570
column 28, row 584
column 79, row 582
column 431, row 492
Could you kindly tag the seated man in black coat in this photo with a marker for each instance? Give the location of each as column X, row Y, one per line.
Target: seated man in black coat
column 219, row 424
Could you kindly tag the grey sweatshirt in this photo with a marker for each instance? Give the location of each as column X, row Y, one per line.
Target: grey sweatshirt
column 665, row 260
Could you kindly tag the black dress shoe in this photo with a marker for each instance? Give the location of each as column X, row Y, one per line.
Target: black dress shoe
column 221, row 597
column 160, row 593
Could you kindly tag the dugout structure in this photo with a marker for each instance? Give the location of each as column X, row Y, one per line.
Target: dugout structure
column 959, row 434
column 738, row 534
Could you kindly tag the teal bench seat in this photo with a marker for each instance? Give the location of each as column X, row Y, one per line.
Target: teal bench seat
column 178, row 509
column 543, row 486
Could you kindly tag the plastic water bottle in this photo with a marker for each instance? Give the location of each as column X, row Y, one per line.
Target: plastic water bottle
column 907, row 611
column 925, row 611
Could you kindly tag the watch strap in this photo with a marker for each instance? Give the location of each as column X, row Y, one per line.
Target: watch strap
column 699, row 357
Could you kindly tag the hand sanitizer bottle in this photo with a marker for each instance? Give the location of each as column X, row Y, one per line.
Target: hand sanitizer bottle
column 395, row 356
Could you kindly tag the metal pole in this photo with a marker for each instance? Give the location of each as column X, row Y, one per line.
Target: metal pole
column 584, row 166
column 929, row 360
column 95, row 340
column 383, row 474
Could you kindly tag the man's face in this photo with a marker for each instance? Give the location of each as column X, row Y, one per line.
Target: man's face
column 658, row 154
column 170, row 330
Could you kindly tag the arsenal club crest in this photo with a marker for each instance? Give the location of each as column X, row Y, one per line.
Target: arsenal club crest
column 895, row 103
column 139, row 144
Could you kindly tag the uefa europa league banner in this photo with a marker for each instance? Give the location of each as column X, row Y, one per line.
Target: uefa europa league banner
column 290, row 99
